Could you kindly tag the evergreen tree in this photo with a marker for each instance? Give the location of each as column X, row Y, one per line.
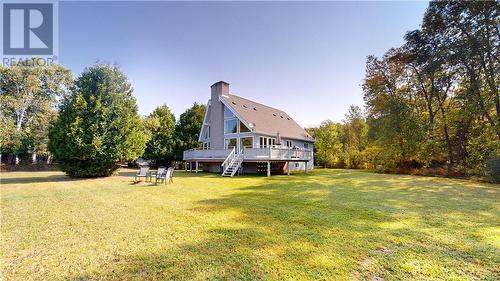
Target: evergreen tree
column 98, row 125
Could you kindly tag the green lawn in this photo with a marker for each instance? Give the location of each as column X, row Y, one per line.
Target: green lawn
column 328, row 224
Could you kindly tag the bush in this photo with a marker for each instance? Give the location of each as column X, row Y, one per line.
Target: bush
column 98, row 125
column 493, row 170
column 379, row 169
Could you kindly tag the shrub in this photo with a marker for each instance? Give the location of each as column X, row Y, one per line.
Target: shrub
column 493, row 170
column 98, row 125
column 379, row 169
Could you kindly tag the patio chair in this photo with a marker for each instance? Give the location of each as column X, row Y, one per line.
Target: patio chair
column 168, row 175
column 142, row 173
column 161, row 175
column 171, row 176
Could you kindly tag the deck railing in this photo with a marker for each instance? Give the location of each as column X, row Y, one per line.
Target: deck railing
column 206, row 154
column 264, row 153
column 277, row 154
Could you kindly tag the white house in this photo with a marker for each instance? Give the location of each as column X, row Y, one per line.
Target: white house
column 243, row 136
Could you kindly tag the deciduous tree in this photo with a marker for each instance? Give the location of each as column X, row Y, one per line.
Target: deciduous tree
column 161, row 127
column 28, row 96
column 188, row 128
column 328, row 144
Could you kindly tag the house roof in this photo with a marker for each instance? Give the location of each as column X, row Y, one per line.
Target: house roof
column 264, row 119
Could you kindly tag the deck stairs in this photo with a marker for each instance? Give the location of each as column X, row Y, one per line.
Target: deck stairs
column 232, row 164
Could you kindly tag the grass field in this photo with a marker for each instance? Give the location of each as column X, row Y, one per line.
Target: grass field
column 328, row 224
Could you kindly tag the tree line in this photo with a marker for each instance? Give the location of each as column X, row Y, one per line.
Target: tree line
column 431, row 105
column 88, row 124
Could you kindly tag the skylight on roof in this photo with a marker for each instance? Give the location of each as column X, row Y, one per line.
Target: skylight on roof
column 255, row 108
column 244, row 106
column 274, row 114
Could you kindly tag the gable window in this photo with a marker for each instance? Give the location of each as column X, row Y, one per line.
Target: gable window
column 207, row 132
column 228, row 113
column 243, row 128
column 230, row 143
column 230, row 126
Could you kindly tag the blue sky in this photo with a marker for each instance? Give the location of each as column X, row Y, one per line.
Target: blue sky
column 305, row 58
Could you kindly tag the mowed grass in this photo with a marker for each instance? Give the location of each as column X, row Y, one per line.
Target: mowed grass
column 328, row 224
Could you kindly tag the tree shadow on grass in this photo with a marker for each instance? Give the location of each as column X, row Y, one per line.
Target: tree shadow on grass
column 330, row 227
column 222, row 257
column 32, row 180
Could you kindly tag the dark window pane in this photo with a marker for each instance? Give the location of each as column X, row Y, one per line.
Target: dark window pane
column 246, row 142
column 230, row 143
column 243, row 128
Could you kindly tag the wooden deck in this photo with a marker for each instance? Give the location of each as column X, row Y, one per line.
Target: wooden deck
column 250, row 154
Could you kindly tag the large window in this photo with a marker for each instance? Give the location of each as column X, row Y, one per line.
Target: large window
column 230, row 143
column 306, row 145
column 243, row 128
column 246, row 142
column 230, row 126
column 228, row 113
column 288, row 143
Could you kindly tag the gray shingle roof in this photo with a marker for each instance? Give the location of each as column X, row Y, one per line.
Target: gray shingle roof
column 265, row 119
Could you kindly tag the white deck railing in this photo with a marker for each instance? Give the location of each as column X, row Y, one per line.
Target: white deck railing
column 206, row 154
column 277, row 154
column 265, row 153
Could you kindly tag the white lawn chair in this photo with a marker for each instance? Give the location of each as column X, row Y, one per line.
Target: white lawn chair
column 168, row 175
column 161, row 175
column 142, row 173
column 171, row 176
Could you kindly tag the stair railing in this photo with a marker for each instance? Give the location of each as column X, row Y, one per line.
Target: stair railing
column 228, row 159
column 238, row 158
